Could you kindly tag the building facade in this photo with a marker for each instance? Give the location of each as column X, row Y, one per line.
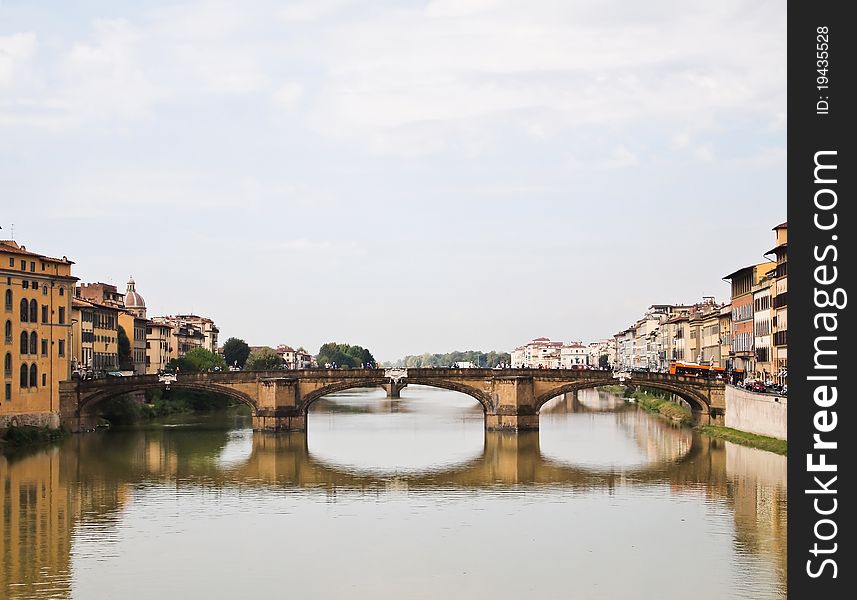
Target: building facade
column 37, row 341
column 779, row 305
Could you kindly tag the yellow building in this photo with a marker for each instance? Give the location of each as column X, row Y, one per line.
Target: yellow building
column 135, row 329
column 97, row 328
column 158, row 346
column 37, row 292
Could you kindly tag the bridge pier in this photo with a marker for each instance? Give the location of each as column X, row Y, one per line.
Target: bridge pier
column 394, row 390
column 278, row 421
column 511, row 422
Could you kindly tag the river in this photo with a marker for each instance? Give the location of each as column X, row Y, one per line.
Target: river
column 398, row 499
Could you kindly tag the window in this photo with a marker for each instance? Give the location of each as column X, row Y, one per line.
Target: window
column 34, row 311
column 23, row 265
column 8, row 299
column 34, row 343
column 25, row 342
column 24, row 377
column 34, row 374
column 44, row 313
column 43, row 266
column 61, row 350
column 32, row 266
column 35, row 285
column 11, row 262
column 7, row 365
column 25, row 284
column 44, row 347
column 25, row 310
column 8, row 391
column 8, row 332
column 62, row 291
column 44, row 379
column 62, row 315
column 44, row 290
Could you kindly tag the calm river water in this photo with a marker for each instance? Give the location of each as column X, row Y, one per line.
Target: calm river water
column 398, row 499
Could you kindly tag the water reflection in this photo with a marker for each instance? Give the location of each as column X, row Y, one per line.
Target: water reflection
column 97, row 516
column 424, row 431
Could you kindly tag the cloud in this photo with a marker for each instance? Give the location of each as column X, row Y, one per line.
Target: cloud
column 16, row 50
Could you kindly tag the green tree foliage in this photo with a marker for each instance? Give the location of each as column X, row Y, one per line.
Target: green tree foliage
column 125, row 361
column 265, row 359
column 477, row 357
column 344, row 355
column 198, row 359
column 235, row 352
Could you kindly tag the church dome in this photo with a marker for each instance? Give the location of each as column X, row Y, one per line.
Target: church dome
column 132, row 298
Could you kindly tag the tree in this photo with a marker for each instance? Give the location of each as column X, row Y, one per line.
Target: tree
column 126, row 363
column 236, row 351
column 198, row 359
column 265, row 359
column 344, row 355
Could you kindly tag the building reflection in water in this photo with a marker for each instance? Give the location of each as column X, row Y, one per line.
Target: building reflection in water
column 54, row 497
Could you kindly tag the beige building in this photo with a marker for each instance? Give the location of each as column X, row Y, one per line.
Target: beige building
column 294, row 359
column 37, row 296
column 539, row 353
column 779, row 305
column 573, row 356
column 158, row 346
column 762, row 328
column 742, row 353
column 184, row 336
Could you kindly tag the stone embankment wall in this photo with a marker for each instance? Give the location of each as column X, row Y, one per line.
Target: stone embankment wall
column 50, row 420
column 762, row 414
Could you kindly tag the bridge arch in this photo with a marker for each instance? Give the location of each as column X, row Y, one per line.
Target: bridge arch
column 88, row 404
column 698, row 401
column 483, row 398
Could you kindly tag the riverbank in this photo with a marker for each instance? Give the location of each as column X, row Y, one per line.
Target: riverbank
column 613, row 389
column 24, row 437
column 762, row 442
column 658, row 404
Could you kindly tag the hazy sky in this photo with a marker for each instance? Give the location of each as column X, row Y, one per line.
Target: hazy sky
column 409, row 176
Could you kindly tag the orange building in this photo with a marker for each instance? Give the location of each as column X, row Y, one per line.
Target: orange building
column 37, row 294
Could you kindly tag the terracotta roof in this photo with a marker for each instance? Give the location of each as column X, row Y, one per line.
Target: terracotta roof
column 92, row 303
column 783, row 225
column 775, row 248
column 12, row 247
column 741, row 270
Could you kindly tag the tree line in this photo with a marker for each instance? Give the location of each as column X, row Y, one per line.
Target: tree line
column 477, row 357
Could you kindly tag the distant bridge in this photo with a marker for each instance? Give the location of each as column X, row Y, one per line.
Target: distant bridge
column 279, row 400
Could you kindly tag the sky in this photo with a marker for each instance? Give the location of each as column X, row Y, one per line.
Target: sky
column 409, row 176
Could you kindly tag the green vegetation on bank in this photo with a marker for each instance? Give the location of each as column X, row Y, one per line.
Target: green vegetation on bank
column 658, row 402
column 125, row 411
column 25, row 436
column 235, row 352
column 477, row 357
column 613, row 389
column 344, row 355
column 753, row 440
column 198, row 359
column 263, row 359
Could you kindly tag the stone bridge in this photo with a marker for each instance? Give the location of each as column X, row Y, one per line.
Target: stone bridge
column 279, row 400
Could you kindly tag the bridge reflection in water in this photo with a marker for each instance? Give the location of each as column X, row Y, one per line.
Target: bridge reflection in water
column 76, row 496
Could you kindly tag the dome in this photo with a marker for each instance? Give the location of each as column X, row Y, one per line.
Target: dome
column 132, row 298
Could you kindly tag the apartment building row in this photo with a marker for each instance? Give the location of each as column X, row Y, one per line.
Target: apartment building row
column 54, row 326
column 542, row 353
column 747, row 334
column 99, row 309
